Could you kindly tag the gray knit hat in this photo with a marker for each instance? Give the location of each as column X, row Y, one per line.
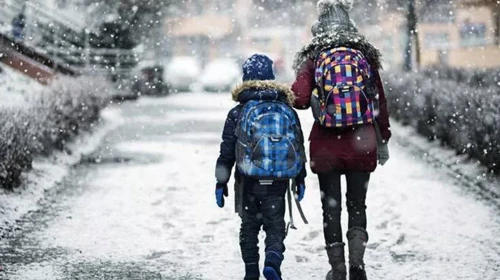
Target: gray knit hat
column 333, row 15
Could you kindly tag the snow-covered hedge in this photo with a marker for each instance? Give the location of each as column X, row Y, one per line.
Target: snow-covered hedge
column 462, row 116
column 47, row 121
column 472, row 77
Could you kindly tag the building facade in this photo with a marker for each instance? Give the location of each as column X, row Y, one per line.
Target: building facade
column 468, row 39
column 238, row 28
column 460, row 34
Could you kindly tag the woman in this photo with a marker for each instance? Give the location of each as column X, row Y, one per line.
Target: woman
column 343, row 148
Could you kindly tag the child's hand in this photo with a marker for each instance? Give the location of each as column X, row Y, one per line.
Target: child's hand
column 220, row 192
column 301, row 189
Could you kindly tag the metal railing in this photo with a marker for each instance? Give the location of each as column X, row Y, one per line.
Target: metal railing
column 64, row 40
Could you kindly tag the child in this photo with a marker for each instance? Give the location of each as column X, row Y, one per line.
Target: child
column 263, row 135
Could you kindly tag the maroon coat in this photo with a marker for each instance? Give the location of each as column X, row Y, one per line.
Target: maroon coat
column 349, row 149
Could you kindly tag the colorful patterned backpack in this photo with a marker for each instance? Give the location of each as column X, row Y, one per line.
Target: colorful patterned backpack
column 270, row 141
column 343, row 96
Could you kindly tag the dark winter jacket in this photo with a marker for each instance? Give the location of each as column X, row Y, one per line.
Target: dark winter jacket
column 347, row 149
column 250, row 90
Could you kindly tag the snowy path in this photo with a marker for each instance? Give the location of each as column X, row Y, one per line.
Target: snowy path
column 145, row 208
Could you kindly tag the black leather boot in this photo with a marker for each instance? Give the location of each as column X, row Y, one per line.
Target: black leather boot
column 336, row 258
column 357, row 238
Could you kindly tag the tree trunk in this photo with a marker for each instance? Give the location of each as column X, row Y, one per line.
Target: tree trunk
column 411, row 32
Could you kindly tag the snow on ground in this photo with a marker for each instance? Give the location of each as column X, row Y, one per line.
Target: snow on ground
column 468, row 171
column 15, row 87
column 162, row 215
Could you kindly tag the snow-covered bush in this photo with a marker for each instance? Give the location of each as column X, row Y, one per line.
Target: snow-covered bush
column 17, row 140
column 47, row 121
column 472, row 77
column 461, row 116
column 71, row 105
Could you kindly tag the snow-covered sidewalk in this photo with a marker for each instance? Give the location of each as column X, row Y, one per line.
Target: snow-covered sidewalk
column 156, row 213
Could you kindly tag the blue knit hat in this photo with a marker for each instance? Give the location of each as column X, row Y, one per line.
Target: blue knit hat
column 258, row 67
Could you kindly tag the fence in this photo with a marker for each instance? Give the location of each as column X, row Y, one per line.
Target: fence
column 65, row 41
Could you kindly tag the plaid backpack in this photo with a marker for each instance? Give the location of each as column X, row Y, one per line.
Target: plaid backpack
column 270, row 141
column 344, row 93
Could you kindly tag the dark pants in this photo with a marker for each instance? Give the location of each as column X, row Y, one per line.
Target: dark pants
column 261, row 211
column 331, row 198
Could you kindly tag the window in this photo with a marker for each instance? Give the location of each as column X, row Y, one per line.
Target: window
column 439, row 41
column 472, row 34
column 437, row 12
column 443, row 57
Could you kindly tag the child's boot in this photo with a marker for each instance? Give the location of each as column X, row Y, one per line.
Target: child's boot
column 272, row 269
column 358, row 237
column 336, row 259
column 252, row 271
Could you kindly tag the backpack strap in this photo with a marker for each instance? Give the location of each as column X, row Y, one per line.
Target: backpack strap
column 319, row 78
column 290, row 190
column 290, row 210
column 239, row 186
column 297, row 203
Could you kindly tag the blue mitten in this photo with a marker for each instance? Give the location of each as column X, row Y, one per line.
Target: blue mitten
column 301, row 190
column 220, row 192
column 301, row 184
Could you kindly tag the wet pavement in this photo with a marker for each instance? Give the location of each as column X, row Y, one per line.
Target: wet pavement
column 142, row 207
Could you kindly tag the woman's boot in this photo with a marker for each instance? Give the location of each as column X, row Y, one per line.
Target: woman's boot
column 357, row 237
column 336, row 258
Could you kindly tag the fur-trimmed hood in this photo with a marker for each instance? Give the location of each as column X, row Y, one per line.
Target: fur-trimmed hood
column 340, row 38
column 263, row 90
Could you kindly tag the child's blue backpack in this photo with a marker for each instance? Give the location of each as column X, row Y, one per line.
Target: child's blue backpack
column 270, row 141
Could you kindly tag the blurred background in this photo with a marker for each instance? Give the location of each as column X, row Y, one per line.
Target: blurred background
column 191, row 39
column 93, row 187
column 442, row 58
